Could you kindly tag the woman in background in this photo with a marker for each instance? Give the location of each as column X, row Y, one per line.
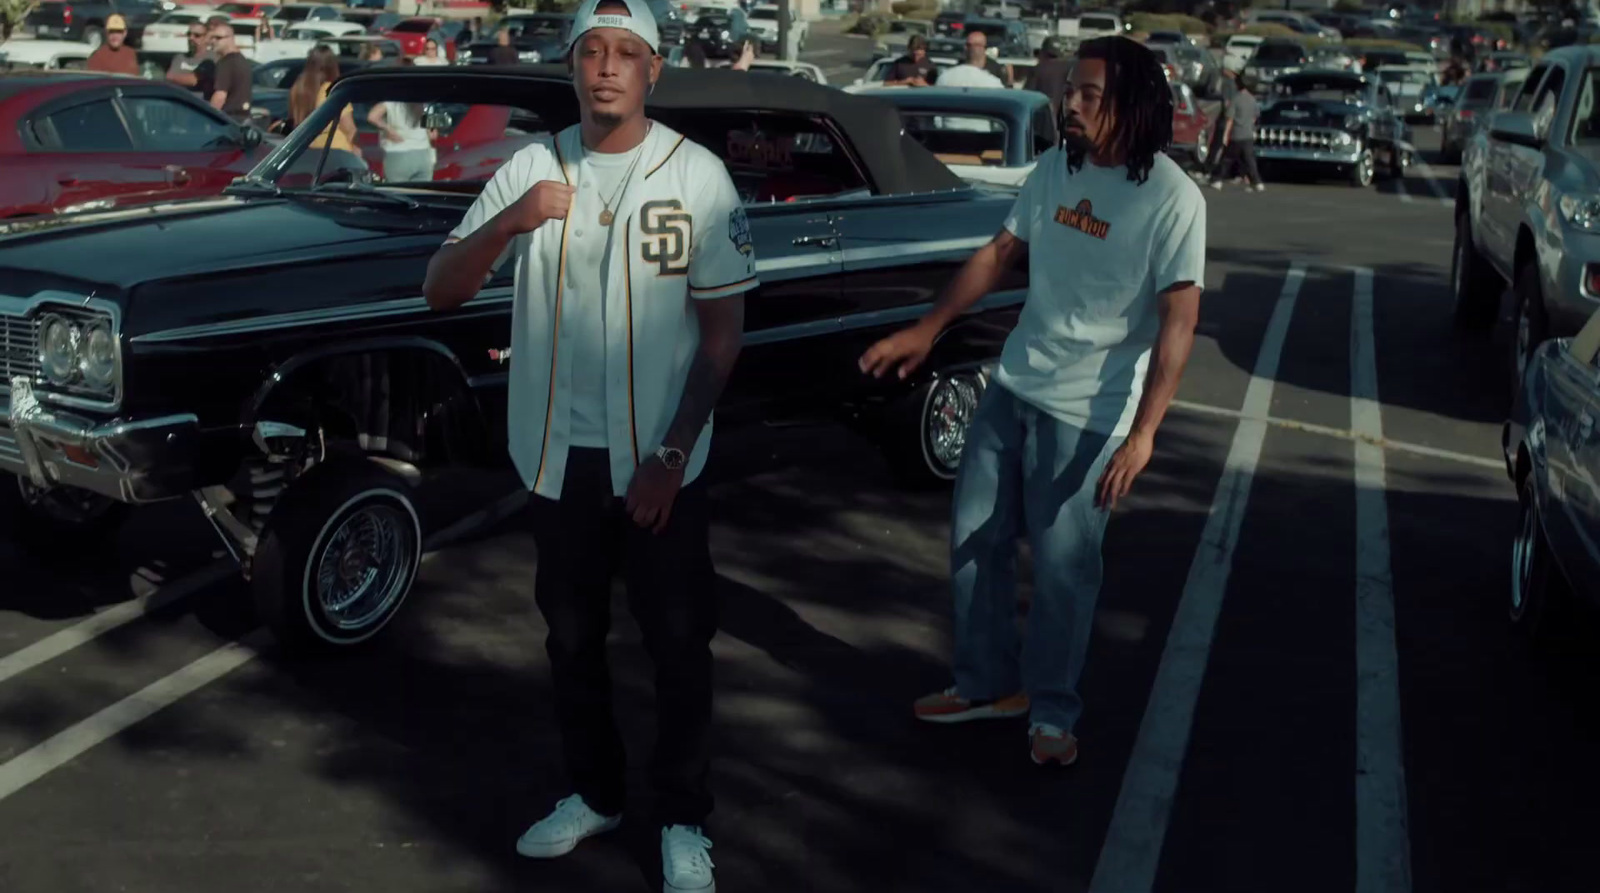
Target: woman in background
column 408, row 154
column 310, row 90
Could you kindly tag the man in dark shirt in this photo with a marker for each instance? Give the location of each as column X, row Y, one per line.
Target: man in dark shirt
column 914, row 69
column 1051, row 75
column 198, row 70
column 234, row 85
column 503, row 53
column 1230, row 90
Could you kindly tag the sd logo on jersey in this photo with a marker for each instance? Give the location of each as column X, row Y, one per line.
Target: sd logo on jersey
column 668, row 234
column 739, row 231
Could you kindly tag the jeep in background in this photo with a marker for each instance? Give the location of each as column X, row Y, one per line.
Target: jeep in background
column 1528, row 209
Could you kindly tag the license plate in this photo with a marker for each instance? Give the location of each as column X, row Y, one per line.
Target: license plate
column 47, row 31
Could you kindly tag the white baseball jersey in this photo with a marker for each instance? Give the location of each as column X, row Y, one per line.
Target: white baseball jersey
column 679, row 234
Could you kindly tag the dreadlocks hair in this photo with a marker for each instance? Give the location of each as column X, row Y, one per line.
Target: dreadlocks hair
column 1141, row 101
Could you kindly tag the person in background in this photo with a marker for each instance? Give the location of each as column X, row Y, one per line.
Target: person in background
column 1219, row 130
column 503, row 53
column 115, row 56
column 408, row 153
column 914, row 69
column 372, row 55
column 310, row 90
column 197, row 70
column 430, row 54
column 1052, row 74
column 1115, row 239
column 1239, row 140
column 465, row 36
column 974, row 70
column 235, row 80
column 694, row 53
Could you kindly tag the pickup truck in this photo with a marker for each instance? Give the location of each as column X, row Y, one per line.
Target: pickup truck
column 1528, row 209
column 85, row 21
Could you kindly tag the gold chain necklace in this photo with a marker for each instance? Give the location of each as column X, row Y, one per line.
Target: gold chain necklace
column 606, row 217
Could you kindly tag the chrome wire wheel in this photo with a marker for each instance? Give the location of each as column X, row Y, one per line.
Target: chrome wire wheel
column 951, row 404
column 1366, row 168
column 363, row 567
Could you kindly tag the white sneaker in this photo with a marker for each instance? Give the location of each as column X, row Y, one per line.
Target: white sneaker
column 685, row 864
column 1260, row 187
column 1217, row 185
column 563, row 829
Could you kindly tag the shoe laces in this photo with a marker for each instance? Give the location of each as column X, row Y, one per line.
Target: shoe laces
column 1046, row 729
column 569, row 813
column 686, row 848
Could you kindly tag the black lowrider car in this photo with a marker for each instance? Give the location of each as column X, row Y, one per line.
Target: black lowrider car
column 1332, row 121
column 269, row 352
column 537, row 37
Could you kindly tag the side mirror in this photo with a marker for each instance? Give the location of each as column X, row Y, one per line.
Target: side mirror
column 1516, row 128
column 249, row 138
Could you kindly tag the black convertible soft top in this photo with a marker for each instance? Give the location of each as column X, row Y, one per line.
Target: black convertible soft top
column 895, row 162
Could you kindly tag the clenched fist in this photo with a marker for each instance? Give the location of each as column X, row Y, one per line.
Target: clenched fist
column 547, row 200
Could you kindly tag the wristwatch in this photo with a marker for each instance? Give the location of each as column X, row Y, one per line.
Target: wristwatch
column 672, row 458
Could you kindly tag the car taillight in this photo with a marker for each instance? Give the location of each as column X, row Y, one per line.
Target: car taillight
column 1591, row 278
column 66, row 15
column 1464, row 114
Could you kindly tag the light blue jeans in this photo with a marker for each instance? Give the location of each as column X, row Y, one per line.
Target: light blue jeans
column 1021, row 469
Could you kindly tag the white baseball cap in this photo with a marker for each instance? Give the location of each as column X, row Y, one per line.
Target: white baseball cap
column 640, row 20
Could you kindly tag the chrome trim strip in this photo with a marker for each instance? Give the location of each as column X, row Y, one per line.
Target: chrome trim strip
column 875, row 318
column 393, row 307
column 1288, row 154
column 903, row 251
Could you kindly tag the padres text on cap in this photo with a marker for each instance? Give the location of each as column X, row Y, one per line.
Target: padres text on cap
column 640, row 20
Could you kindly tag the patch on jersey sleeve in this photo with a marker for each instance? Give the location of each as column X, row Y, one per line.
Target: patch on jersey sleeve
column 739, row 231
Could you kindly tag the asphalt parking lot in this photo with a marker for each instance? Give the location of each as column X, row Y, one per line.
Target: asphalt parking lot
column 1302, row 677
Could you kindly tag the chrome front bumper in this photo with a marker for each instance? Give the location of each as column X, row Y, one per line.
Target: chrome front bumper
column 1304, row 153
column 134, row 461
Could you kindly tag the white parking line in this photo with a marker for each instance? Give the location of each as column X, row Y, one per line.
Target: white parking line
column 70, row 743
column 1400, row 190
column 87, row 630
column 1132, row 848
column 814, row 55
column 1383, row 845
column 1347, row 434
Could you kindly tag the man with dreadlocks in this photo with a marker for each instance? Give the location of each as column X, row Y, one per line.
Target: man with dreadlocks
column 1115, row 235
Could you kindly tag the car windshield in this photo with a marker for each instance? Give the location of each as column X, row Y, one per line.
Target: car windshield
column 414, row 26
column 958, row 138
column 764, row 13
column 1416, row 78
column 537, row 26
column 1097, row 22
column 1278, row 52
column 433, row 140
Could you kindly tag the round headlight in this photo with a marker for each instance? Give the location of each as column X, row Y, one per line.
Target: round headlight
column 58, row 349
column 98, row 361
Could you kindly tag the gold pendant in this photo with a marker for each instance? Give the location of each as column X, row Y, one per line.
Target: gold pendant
column 606, row 218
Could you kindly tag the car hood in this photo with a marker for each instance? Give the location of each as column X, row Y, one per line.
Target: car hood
column 229, row 242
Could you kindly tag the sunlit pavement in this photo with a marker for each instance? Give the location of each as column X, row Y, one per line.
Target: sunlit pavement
column 1243, row 656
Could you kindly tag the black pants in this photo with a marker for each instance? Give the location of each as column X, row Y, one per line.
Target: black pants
column 1238, row 154
column 583, row 540
column 1213, row 165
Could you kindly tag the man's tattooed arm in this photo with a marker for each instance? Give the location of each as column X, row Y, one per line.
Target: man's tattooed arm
column 721, row 336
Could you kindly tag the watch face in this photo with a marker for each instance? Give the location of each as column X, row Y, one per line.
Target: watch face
column 671, row 458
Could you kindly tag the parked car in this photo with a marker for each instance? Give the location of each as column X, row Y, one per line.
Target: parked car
column 878, row 72
column 71, row 142
column 44, row 55
column 295, row 13
column 764, row 25
column 283, row 370
column 1239, row 48
column 168, row 35
column 85, row 20
column 1191, row 128
column 1332, row 122
column 414, row 33
column 722, row 31
column 1004, row 37
column 537, row 37
column 984, row 136
column 1527, row 212
column 1099, row 24
column 1552, row 455
column 1274, row 58
column 1408, row 86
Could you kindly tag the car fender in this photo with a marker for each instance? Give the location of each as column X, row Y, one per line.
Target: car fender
column 408, row 398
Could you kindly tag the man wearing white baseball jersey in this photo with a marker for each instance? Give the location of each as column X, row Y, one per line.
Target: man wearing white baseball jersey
column 632, row 256
column 1115, row 236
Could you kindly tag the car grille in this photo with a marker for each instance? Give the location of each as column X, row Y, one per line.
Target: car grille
column 19, row 349
column 1296, row 137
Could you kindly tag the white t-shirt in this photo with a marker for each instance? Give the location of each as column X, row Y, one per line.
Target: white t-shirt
column 600, row 177
column 408, row 126
column 965, row 75
column 1101, row 248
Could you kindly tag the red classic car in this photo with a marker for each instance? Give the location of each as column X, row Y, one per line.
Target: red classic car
column 72, row 141
column 414, row 33
column 1191, row 127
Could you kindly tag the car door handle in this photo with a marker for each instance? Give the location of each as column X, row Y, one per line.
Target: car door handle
column 819, row 241
column 176, row 174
